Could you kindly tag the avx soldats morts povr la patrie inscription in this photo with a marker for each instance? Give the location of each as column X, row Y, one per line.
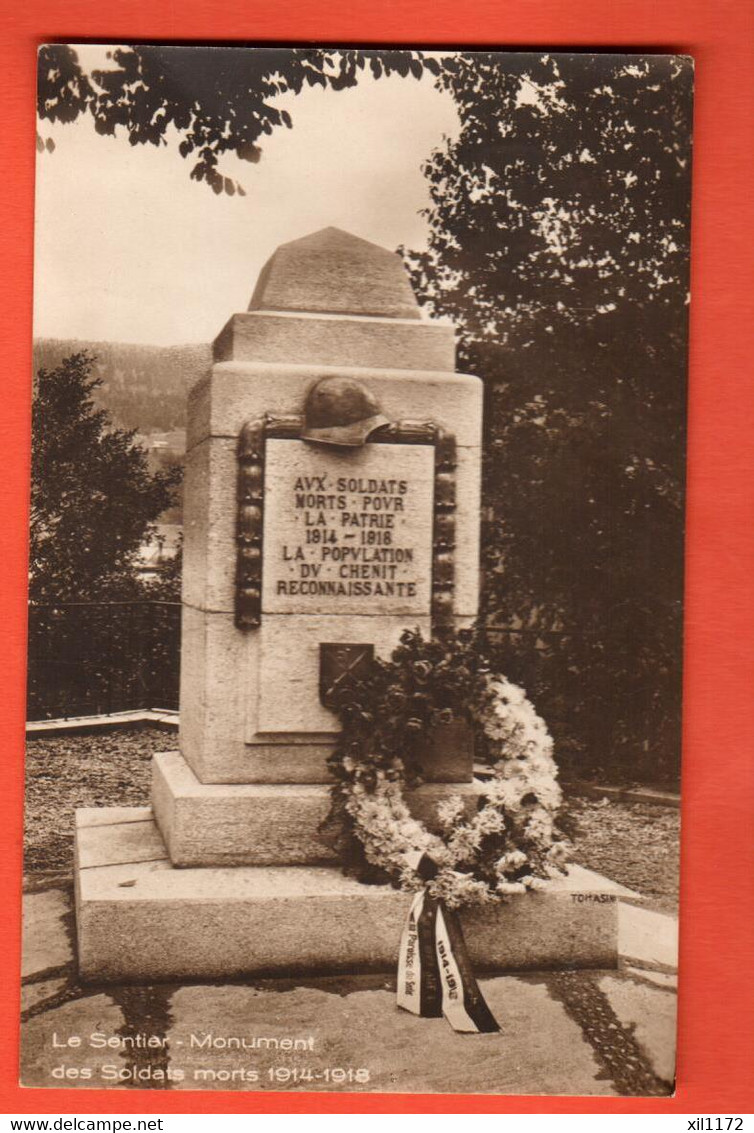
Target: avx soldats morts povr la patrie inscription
column 356, row 570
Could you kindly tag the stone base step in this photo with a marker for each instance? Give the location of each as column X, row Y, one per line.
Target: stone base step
column 140, row 919
column 222, row 824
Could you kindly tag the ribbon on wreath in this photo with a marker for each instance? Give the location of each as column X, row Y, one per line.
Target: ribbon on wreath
column 435, row 976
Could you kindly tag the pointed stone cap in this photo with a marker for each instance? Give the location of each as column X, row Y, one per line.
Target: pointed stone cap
column 335, row 273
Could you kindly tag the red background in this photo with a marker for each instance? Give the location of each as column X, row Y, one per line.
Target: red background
column 716, row 1041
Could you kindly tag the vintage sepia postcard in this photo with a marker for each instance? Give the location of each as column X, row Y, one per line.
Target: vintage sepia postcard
column 355, row 592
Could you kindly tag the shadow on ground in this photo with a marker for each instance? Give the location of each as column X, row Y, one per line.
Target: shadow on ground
column 565, row 1032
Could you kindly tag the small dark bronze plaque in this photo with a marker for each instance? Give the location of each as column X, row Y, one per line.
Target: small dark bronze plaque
column 341, row 665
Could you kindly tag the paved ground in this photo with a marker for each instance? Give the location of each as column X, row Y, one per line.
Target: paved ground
column 562, row 1032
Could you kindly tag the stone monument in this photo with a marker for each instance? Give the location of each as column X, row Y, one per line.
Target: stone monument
column 332, row 500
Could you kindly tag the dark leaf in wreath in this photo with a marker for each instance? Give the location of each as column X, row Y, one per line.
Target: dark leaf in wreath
column 407, row 637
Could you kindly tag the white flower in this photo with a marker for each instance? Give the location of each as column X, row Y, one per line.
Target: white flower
column 510, row 861
column 509, row 887
column 450, row 811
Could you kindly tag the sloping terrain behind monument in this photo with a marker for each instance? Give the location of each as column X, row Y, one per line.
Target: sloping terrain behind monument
column 143, row 387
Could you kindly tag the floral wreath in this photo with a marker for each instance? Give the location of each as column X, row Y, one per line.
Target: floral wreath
column 389, row 716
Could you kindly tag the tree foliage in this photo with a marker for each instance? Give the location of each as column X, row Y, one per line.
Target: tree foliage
column 215, row 100
column 93, row 499
column 566, row 192
column 558, row 244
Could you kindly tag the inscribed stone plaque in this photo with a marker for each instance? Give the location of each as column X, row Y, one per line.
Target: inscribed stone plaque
column 347, row 531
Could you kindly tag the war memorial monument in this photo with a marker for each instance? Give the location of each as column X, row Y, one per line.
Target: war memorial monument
column 332, row 500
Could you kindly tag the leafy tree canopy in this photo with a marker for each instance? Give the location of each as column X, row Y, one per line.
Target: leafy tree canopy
column 216, row 100
column 558, row 245
column 93, row 498
column 564, row 198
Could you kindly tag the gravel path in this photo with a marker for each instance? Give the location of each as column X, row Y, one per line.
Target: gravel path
column 636, row 844
column 104, row 768
column 632, row 843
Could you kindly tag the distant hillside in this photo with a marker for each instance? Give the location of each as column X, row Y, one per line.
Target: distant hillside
column 143, row 387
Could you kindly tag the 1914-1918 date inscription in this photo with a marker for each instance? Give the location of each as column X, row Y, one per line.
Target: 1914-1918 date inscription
column 348, row 531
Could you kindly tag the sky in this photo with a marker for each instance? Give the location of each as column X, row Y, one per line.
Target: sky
column 129, row 249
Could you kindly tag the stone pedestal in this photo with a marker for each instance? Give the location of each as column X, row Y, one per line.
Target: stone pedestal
column 308, row 543
column 139, row 918
column 260, row 823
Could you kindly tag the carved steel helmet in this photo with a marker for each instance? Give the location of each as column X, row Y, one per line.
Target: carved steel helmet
column 341, row 411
